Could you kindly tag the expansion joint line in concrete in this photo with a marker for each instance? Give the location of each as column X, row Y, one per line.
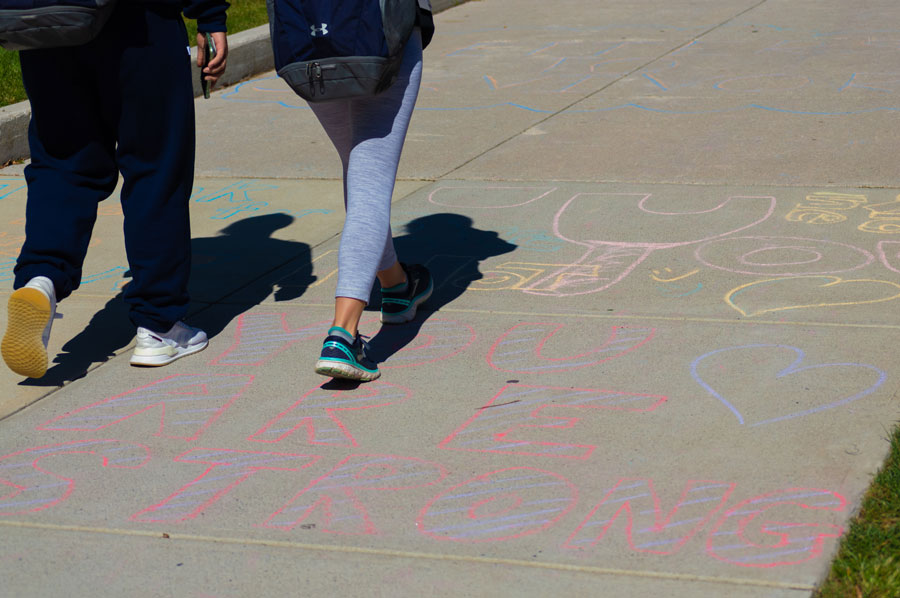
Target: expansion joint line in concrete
column 380, row 552
column 698, row 320
column 605, row 87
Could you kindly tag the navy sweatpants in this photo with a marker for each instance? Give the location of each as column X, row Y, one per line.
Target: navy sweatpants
column 122, row 103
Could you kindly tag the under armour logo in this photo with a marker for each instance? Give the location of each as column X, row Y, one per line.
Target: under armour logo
column 315, row 31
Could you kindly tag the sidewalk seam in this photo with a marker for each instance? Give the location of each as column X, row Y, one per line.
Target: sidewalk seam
column 411, row 555
column 613, row 316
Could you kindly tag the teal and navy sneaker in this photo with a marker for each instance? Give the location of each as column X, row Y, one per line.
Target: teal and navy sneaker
column 399, row 303
column 345, row 357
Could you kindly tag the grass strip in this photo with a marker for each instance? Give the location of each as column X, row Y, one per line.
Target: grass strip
column 242, row 15
column 11, row 90
column 868, row 561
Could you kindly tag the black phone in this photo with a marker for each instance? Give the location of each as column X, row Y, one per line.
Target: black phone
column 209, row 53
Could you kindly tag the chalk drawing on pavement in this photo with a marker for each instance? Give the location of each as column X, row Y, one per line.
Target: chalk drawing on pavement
column 647, row 528
column 332, row 501
column 497, row 506
column 780, row 370
column 783, row 294
column 227, row 470
column 187, row 404
column 523, row 419
column 27, row 484
column 521, row 348
column 611, row 250
column 782, row 256
column 314, row 417
column 762, row 532
column 496, row 197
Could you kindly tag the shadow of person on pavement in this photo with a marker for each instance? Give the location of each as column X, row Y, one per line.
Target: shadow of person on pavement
column 108, row 331
column 452, row 249
column 231, row 272
column 241, row 266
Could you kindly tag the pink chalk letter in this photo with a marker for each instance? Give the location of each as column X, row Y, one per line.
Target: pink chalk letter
column 764, row 531
column 27, row 485
column 260, row 337
column 436, row 340
column 646, row 527
column 315, row 413
column 521, row 349
column 537, row 420
column 501, row 505
column 331, row 503
column 187, row 404
column 227, row 469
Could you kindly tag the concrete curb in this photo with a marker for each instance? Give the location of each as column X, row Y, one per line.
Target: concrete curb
column 249, row 53
column 14, row 121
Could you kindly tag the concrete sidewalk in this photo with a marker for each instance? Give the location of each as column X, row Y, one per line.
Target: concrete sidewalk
column 659, row 360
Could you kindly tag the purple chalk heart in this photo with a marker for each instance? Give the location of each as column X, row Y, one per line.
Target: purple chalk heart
column 828, row 402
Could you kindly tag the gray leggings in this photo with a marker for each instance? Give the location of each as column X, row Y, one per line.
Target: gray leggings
column 368, row 134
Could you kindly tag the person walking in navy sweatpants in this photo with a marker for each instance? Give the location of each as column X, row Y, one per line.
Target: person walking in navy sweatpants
column 122, row 103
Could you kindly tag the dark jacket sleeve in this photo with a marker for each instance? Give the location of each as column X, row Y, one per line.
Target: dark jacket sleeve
column 209, row 14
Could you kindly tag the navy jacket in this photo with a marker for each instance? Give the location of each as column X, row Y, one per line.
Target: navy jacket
column 209, row 14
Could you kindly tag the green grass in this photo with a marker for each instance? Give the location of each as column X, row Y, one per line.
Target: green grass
column 11, row 90
column 868, row 561
column 242, row 15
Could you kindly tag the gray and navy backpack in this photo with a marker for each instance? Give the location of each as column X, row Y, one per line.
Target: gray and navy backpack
column 31, row 24
column 333, row 49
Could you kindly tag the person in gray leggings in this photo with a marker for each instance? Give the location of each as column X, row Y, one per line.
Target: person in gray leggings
column 368, row 134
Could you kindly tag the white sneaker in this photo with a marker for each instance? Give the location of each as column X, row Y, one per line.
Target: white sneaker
column 155, row 348
column 31, row 311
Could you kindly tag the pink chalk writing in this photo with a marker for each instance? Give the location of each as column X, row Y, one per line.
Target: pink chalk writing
column 315, row 413
column 500, row 196
column 613, row 251
column 188, row 404
column 521, row 348
column 635, row 500
column 500, row 505
column 782, row 256
column 599, row 268
column 889, row 254
column 763, row 532
column 27, row 484
column 227, row 470
column 436, row 340
column 259, row 337
column 527, row 420
column 332, row 502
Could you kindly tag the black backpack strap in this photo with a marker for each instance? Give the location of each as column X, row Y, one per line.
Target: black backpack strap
column 425, row 22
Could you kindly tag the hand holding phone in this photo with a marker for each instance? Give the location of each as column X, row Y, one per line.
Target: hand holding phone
column 212, row 57
column 209, row 52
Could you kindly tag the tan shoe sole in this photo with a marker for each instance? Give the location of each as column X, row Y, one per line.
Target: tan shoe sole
column 22, row 348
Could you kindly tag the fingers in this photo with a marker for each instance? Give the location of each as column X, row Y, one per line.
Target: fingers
column 201, row 50
column 216, row 66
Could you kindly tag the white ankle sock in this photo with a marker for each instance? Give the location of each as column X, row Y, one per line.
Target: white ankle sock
column 45, row 285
